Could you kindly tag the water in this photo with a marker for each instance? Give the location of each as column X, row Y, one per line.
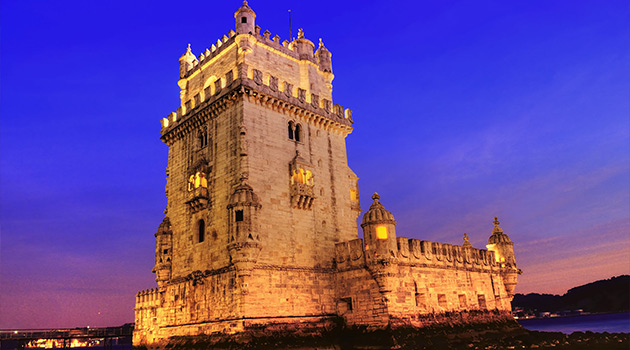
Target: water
column 611, row 323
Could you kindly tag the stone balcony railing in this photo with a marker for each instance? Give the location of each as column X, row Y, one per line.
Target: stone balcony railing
column 302, row 196
column 198, row 199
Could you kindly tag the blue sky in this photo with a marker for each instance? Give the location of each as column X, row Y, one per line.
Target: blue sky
column 463, row 110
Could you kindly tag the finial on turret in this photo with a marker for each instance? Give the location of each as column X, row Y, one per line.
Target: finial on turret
column 300, row 33
column 466, row 242
column 376, row 197
column 496, row 228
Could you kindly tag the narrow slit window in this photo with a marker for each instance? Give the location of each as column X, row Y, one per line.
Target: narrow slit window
column 238, row 215
column 201, row 236
column 290, row 131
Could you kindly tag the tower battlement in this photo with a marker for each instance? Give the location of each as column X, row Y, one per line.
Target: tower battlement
column 269, row 90
column 415, row 252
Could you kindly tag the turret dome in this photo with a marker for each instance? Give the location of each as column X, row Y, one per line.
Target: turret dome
column 164, row 228
column 497, row 234
column 244, row 196
column 377, row 213
column 244, row 8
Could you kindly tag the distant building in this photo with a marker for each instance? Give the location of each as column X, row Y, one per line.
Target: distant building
column 260, row 226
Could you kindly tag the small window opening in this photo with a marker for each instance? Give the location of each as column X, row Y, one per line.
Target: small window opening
column 481, row 299
column 442, row 301
column 165, row 251
column 381, row 232
column 202, row 231
column 348, row 302
column 462, row 301
column 243, row 19
column 238, row 215
column 290, row 131
column 297, row 132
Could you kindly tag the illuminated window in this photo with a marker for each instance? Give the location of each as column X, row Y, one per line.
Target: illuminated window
column 353, row 195
column 238, row 215
column 381, row 232
column 201, row 236
column 302, row 176
column 197, row 180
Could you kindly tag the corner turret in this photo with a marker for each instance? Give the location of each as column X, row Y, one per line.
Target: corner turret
column 304, row 47
column 186, row 62
column 323, row 58
column 243, row 244
column 245, row 19
column 379, row 231
column 163, row 252
column 503, row 249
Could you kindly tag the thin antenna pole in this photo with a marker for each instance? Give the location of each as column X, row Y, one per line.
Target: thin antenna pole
column 290, row 29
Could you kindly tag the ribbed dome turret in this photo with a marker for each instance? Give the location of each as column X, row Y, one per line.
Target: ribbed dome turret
column 244, row 8
column 497, row 234
column 377, row 213
column 165, row 227
column 244, row 196
column 245, row 19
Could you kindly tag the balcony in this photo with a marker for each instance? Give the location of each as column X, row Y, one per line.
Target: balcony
column 198, row 199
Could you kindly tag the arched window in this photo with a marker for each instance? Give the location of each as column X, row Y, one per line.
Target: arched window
column 290, row 130
column 203, row 139
column 201, row 236
column 197, row 180
column 298, row 132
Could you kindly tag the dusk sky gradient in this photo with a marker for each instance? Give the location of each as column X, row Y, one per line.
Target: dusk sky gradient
column 463, row 110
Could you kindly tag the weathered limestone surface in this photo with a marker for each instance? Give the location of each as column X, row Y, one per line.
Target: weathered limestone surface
column 261, row 221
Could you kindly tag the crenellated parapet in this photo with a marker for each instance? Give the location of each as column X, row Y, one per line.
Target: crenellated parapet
column 349, row 255
column 148, row 298
column 415, row 252
column 300, row 49
column 444, row 255
column 290, row 101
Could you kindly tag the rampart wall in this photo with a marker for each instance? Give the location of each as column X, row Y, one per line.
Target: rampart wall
column 425, row 278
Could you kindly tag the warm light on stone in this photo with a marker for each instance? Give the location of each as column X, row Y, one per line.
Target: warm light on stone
column 259, row 228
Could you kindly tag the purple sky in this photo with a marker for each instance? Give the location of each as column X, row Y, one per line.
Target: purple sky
column 463, row 110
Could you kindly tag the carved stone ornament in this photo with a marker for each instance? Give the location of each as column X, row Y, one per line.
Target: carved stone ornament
column 258, row 77
column 273, row 83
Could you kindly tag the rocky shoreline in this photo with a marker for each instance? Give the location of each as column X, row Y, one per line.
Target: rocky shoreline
column 494, row 335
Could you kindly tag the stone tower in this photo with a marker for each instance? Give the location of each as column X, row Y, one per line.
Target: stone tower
column 258, row 185
column 503, row 249
column 260, row 229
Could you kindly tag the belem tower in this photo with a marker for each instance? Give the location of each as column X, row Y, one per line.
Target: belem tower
column 261, row 228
